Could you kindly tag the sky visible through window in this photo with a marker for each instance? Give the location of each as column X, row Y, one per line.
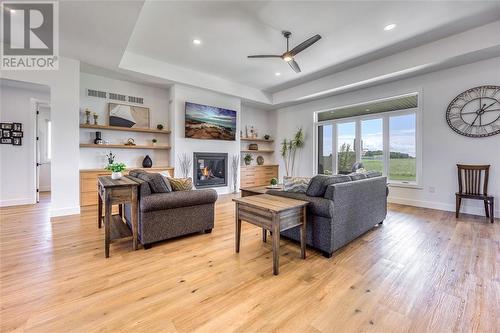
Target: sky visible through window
column 402, row 135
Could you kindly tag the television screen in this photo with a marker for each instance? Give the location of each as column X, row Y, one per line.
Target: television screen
column 210, row 122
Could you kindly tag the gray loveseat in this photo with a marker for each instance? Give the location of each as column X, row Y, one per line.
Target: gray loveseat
column 167, row 215
column 343, row 210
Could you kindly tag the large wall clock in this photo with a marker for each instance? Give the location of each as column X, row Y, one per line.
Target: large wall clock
column 475, row 112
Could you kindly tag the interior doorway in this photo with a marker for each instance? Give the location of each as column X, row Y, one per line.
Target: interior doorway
column 43, row 143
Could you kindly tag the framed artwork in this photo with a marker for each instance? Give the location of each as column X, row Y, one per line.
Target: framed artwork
column 6, row 133
column 17, row 141
column 130, row 116
column 6, row 141
column 17, row 127
column 16, row 134
column 7, row 126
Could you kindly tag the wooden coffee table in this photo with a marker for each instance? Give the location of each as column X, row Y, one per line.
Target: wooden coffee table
column 275, row 214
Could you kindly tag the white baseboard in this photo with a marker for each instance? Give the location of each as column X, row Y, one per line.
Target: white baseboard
column 440, row 206
column 16, row 202
column 54, row 212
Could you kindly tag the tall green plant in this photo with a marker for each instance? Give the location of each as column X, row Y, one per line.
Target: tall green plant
column 289, row 149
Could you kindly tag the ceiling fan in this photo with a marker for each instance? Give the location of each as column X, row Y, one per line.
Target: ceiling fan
column 289, row 55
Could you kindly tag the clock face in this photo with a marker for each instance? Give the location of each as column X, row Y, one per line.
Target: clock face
column 476, row 112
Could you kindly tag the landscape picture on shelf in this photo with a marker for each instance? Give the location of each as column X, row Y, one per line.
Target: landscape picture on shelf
column 130, row 116
column 209, row 122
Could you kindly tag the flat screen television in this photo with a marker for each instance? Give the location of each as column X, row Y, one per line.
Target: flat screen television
column 209, row 122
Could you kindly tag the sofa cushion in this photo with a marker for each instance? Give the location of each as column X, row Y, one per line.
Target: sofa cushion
column 156, row 182
column 181, row 184
column 317, row 205
column 296, row 184
column 161, row 201
column 144, row 188
column 372, row 174
column 319, row 183
column 357, row 176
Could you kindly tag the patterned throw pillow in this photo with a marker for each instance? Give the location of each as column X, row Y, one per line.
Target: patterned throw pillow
column 181, row 184
column 155, row 181
column 296, row 184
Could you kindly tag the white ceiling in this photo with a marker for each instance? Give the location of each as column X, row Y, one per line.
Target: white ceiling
column 230, row 31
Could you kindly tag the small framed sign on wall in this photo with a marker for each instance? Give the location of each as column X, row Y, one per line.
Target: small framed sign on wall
column 11, row 134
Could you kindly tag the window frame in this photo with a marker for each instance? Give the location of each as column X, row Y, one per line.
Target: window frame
column 385, row 116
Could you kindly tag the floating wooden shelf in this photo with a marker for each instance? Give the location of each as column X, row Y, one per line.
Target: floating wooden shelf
column 257, row 151
column 125, row 129
column 91, row 145
column 257, row 140
column 258, row 166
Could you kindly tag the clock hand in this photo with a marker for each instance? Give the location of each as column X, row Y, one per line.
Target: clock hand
column 488, row 106
column 474, row 120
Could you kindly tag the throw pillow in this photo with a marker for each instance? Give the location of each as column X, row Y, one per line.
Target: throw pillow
column 296, row 184
column 155, row 181
column 166, row 175
column 319, row 184
column 181, row 184
column 135, row 172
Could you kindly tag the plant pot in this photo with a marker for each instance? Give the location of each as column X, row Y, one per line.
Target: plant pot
column 116, row 175
column 247, row 162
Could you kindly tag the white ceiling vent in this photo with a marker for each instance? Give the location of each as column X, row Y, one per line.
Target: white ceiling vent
column 96, row 93
column 136, row 100
column 117, row 97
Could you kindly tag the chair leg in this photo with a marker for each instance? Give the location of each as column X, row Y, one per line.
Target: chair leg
column 492, row 210
column 458, row 204
column 486, row 208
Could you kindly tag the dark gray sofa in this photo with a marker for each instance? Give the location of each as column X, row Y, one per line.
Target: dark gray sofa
column 345, row 211
column 167, row 215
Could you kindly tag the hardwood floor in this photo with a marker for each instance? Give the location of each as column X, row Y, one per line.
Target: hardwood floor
column 421, row 271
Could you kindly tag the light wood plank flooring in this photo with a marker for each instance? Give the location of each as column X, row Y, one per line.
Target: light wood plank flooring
column 421, row 271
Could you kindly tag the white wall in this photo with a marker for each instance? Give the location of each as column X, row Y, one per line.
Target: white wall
column 64, row 98
column 17, row 165
column 442, row 147
column 156, row 99
column 180, row 95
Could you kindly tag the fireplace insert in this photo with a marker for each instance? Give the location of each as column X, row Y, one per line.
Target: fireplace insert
column 210, row 169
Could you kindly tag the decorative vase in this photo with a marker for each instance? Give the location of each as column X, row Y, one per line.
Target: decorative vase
column 260, row 160
column 116, row 175
column 147, row 162
column 98, row 139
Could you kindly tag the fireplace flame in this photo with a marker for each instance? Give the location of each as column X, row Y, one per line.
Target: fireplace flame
column 205, row 172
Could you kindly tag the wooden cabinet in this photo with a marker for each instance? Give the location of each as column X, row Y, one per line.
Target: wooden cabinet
column 258, row 175
column 88, row 182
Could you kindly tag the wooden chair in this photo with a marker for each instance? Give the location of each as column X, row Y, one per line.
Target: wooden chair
column 470, row 179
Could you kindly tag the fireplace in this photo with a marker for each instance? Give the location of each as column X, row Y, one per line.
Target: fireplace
column 210, row 170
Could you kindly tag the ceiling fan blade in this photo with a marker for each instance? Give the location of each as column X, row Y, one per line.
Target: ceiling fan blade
column 264, row 56
column 294, row 65
column 304, row 45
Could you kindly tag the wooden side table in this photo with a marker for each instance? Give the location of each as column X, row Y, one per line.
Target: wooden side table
column 275, row 214
column 113, row 192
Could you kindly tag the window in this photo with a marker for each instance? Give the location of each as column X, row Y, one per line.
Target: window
column 325, row 149
column 372, row 144
column 402, row 148
column 385, row 141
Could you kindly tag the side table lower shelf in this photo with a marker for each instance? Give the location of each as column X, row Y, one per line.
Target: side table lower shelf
column 118, row 228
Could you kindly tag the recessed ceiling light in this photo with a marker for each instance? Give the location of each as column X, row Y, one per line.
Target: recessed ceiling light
column 196, row 41
column 389, row 27
column 367, row 110
column 13, row 11
column 277, row 74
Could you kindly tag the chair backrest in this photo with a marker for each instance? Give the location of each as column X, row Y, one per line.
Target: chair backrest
column 471, row 180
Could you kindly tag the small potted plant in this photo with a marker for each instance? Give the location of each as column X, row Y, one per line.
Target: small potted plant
column 116, row 170
column 159, row 127
column 248, row 158
column 154, row 141
column 274, row 182
column 267, row 137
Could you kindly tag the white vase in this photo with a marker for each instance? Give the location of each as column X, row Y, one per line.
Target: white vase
column 116, row 175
